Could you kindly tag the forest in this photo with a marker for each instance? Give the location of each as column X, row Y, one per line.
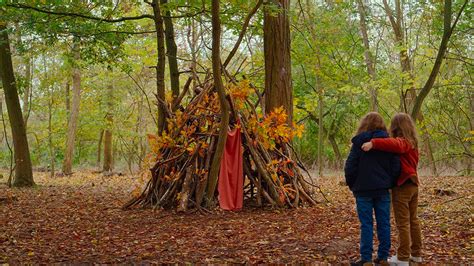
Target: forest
column 116, row 121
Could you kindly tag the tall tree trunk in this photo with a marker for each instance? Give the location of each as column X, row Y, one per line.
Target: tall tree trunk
column 192, row 38
column 50, row 118
column 160, row 67
column 276, row 38
column 219, row 86
column 23, row 168
column 469, row 160
column 172, row 52
column 321, row 128
column 108, row 131
column 27, row 92
column 74, row 115
column 50, row 133
column 68, row 99
column 369, row 60
column 140, row 131
column 99, row 148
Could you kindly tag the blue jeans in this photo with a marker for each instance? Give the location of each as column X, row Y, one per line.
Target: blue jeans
column 365, row 208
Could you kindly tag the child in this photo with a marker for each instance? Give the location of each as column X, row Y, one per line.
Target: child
column 370, row 176
column 404, row 141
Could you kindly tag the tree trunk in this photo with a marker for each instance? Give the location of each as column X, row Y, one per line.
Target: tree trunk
column 50, row 133
column 68, row 100
column 336, row 150
column 140, row 131
column 426, row 139
column 321, row 129
column 160, row 67
column 276, row 37
column 107, row 167
column 171, row 52
column 74, row 114
column 219, row 86
column 27, row 92
column 369, row 60
column 23, row 168
column 99, row 148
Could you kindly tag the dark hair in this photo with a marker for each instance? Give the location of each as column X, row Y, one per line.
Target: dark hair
column 403, row 126
column 371, row 121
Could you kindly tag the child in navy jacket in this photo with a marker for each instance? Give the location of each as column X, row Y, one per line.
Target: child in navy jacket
column 369, row 176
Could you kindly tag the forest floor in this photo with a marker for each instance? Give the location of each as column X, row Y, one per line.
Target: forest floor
column 79, row 219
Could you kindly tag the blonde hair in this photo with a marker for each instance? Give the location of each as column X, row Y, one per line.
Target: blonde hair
column 371, row 121
column 403, row 126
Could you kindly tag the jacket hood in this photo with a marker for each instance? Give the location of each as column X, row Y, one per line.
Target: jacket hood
column 366, row 136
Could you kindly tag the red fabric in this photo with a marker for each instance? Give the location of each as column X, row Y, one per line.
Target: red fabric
column 408, row 155
column 231, row 178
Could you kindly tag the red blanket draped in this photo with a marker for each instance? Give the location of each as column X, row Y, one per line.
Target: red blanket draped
column 231, row 178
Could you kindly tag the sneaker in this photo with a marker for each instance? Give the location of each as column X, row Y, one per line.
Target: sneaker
column 361, row 263
column 416, row 259
column 394, row 261
column 381, row 262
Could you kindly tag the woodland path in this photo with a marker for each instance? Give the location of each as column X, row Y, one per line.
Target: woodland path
column 78, row 219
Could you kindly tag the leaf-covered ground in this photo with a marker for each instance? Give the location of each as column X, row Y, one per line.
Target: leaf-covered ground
column 78, row 219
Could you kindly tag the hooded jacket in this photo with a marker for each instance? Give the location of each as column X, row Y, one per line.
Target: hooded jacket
column 371, row 173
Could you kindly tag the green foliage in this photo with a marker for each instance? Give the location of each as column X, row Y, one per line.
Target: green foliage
column 327, row 53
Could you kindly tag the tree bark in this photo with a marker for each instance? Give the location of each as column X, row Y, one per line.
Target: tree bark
column 99, row 148
column 27, row 92
column 52, row 153
column 160, row 67
column 171, row 52
column 107, row 167
column 321, row 129
column 225, row 108
column 23, row 167
column 68, row 99
column 369, row 60
column 336, row 150
column 74, row 115
column 276, row 38
column 140, row 131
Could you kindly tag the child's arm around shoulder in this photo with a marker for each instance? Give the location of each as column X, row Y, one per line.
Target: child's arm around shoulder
column 395, row 145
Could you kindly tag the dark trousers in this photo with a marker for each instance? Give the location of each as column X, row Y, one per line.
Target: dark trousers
column 366, row 206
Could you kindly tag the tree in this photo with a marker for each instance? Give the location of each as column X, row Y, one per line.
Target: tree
column 369, row 60
column 447, row 32
column 171, row 51
column 160, row 66
column 219, row 86
column 74, row 114
column 276, row 35
column 23, row 169
column 107, row 167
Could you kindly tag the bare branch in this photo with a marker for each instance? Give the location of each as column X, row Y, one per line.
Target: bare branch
column 71, row 14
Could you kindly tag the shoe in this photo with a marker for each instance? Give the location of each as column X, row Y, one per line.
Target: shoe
column 381, row 262
column 416, row 259
column 394, row 261
column 361, row 263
